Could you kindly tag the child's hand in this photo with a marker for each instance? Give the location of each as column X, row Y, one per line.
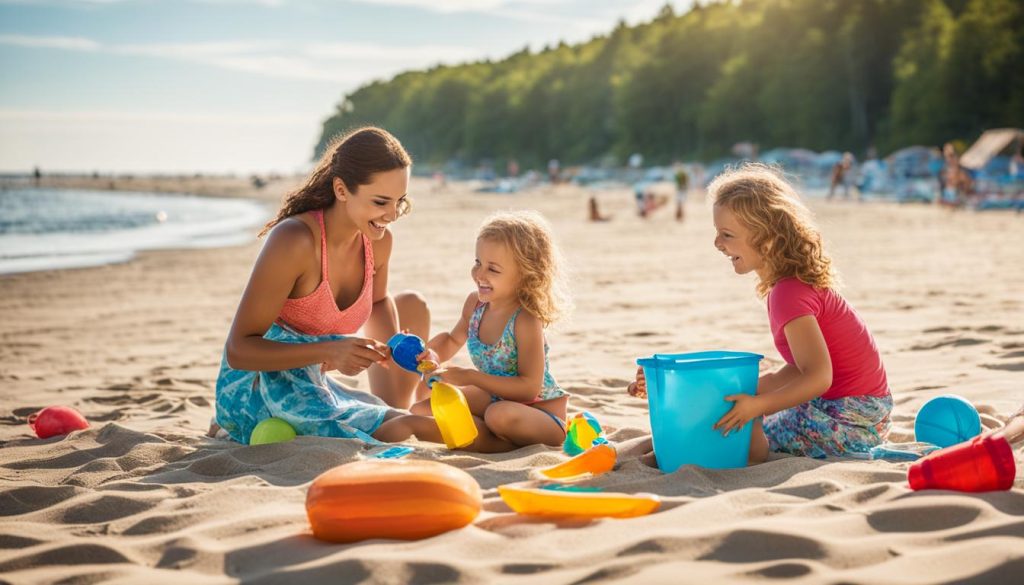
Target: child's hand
column 428, row 361
column 745, row 409
column 455, row 375
column 638, row 387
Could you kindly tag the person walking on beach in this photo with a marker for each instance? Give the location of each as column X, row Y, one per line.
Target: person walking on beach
column 682, row 189
column 832, row 396
column 842, row 174
column 321, row 276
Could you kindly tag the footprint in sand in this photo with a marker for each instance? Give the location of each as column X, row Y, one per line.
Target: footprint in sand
column 960, row 342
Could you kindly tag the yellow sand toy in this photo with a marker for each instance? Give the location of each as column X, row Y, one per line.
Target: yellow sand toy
column 562, row 500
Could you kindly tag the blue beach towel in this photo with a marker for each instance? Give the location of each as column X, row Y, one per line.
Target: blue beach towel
column 306, row 398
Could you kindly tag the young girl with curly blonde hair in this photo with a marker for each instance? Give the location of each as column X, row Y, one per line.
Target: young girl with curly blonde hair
column 519, row 292
column 831, row 397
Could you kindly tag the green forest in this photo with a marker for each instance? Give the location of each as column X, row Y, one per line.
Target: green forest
column 817, row 74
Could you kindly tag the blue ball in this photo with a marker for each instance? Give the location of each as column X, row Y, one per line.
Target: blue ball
column 946, row 421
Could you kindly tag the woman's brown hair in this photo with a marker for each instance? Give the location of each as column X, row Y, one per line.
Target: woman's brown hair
column 354, row 158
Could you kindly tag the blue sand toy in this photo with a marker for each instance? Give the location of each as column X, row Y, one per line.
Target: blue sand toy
column 404, row 349
column 397, row 452
column 896, row 451
column 946, row 421
column 686, row 393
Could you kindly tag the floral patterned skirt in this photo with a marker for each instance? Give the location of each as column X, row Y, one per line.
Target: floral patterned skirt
column 830, row 428
column 306, row 398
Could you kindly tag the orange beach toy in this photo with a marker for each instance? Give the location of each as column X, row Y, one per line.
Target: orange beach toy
column 402, row 499
column 596, row 460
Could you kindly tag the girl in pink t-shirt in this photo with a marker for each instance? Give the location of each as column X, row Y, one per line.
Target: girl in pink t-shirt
column 831, row 397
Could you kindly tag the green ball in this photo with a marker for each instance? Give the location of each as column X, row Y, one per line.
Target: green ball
column 272, row 430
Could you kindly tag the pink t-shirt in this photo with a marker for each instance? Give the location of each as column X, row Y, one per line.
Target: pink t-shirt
column 857, row 368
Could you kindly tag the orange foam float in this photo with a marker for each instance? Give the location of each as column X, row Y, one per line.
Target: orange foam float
column 567, row 501
column 594, row 461
column 403, row 499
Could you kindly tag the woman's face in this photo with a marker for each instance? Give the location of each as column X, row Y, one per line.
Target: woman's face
column 733, row 239
column 373, row 206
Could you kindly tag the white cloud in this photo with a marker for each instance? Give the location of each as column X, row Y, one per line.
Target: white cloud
column 524, row 10
column 101, row 117
column 347, row 63
column 449, row 6
column 435, row 53
column 50, row 42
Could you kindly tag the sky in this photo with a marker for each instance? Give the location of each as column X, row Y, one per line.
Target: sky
column 237, row 86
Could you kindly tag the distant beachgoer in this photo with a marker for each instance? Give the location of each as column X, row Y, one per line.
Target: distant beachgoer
column 953, row 179
column 594, row 212
column 640, row 194
column 842, row 174
column 553, row 171
column 832, row 396
column 321, row 276
column 37, row 176
column 440, row 181
column 682, row 189
column 512, row 169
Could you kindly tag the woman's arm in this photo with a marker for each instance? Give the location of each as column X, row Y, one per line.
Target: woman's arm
column 383, row 321
column 447, row 343
column 527, row 385
column 813, row 377
column 279, row 265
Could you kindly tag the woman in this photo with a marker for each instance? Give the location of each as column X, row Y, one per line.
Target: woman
column 321, row 276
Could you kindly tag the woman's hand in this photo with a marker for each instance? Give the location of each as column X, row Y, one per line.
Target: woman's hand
column 638, row 387
column 745, row 409
column 354, row 354
column 456, row 376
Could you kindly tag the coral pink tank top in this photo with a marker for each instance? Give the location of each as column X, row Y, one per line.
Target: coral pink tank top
column 317, row 313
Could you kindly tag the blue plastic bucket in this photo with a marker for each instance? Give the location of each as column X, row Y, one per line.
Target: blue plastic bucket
column 686, row 392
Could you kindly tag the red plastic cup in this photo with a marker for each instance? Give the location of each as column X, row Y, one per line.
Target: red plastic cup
column 56, row 420
column 983, row 464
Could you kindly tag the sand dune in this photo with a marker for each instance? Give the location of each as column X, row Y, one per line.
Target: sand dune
column 143, row 496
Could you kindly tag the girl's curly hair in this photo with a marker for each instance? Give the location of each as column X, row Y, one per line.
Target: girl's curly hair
column 782, row 228
column 542, row 290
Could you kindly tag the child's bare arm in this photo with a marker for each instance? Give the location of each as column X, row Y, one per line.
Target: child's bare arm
column 447, row 343
column 528, row 383
column 773, row 381
column 813, row 379
column 813, row 368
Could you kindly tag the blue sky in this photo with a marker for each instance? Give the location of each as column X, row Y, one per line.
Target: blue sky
column 236, row 85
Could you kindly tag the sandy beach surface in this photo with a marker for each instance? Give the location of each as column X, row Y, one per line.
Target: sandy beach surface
column 143, row 497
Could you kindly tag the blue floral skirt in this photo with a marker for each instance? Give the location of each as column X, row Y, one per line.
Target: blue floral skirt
column 830, row 428
column 306, row 398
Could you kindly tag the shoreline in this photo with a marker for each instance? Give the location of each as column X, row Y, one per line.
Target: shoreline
column 200, row 185
column 91, row 227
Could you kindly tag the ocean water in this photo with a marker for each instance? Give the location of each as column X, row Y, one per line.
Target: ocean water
column 45, row 229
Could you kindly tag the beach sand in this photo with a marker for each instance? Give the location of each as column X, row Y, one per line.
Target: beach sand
column 143, row 497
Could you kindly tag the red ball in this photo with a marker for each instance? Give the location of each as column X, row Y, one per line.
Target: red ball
column 56, row 420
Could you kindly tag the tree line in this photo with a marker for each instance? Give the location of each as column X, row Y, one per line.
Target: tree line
column 817, row 74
